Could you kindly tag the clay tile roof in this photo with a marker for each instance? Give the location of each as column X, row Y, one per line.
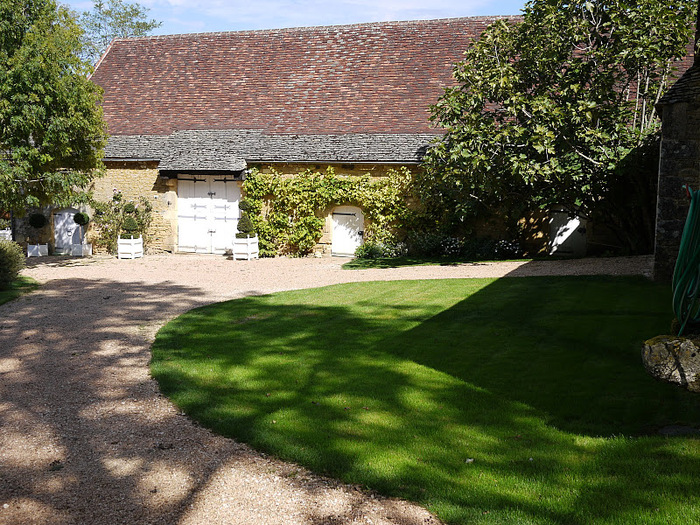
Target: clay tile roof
column 377, row 78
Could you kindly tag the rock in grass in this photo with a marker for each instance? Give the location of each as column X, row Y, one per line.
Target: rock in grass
column 674, row 360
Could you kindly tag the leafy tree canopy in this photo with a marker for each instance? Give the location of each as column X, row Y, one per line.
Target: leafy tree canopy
column 51, row 129
column 545, row 110
column 113, row 19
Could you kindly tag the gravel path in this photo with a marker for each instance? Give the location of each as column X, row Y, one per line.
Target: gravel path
column 85, row 436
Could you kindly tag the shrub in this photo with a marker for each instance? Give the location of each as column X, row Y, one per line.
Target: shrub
column 376, row 250
column 81, row 219
column 451, row 246
column 369, row 250
column 111, row 217
column 425, row 244
column 38, row 220
column 5, row 224
column 484, row 249
column 245, row 227
column 11, row 262
column 245, row 205
column 130, row 225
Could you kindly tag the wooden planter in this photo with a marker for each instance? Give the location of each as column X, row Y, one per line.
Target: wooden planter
column 130, row 248
column 37, row 250
column 81, row 250
column 246, row 249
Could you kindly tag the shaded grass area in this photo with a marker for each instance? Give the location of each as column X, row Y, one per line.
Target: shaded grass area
column 20, row 286
column 488, row 401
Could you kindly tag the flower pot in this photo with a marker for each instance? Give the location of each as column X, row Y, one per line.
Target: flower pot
column 5, row 235
column 37, row 250
column 246, row 249
column 130, row 248
column 81, row 250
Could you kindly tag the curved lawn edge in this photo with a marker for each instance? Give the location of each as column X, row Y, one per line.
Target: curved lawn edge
column 480, row 399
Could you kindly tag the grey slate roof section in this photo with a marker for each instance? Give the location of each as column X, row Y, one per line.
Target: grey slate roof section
column 232, row 149
column 136, row 147
column 686, row 89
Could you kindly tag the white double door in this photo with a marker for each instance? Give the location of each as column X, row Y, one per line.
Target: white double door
column 207, row 213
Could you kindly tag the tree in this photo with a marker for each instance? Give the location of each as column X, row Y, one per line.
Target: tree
column 110, row 20
column 557, row 109
column 51, row 129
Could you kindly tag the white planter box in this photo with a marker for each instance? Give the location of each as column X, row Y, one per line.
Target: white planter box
column 81, row 250
column 130, row 248
column 245, row 248
column 5, row 235
column 37, row 250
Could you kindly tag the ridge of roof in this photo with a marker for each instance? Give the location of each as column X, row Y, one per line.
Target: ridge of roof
column 332, row 27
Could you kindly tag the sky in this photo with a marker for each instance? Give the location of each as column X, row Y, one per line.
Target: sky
column 197, row 16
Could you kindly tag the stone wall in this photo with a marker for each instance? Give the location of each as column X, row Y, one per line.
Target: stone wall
column 679, row 164
column 135, row 179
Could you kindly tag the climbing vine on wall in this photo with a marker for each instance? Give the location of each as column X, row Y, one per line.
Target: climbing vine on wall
column 289, row 212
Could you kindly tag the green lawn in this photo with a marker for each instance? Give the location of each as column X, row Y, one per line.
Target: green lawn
column 518, row 400
column 19, row 287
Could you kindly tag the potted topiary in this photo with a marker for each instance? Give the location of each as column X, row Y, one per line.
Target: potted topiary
column 245, row 244
column 37, row 221
column 128, row 246
column 82, row 249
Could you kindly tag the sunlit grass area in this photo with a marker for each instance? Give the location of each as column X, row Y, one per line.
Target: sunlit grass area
column 518, row 400
column 20, row 286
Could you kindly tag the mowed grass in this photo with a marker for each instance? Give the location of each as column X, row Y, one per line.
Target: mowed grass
column 518, row 400
column 20, row 286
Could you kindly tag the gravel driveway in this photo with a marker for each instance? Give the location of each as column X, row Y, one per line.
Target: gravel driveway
column 86, row 437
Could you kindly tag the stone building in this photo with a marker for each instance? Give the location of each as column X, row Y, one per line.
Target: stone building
column 679, row 165
column 189, row 114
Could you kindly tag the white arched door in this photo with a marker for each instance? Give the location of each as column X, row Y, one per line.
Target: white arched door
column 348, row 230
column 66, row 231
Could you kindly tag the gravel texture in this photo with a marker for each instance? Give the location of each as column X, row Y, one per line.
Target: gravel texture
column 86, row 437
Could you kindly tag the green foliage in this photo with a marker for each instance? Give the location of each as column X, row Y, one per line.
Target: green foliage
column 245, row 205
column 369, row 250
column 81, row 218
column 51, row 129
column 130, row 225
column 38, row 220
column 11, row 263
column 113, row 19
column 246, row 226
column 288, row 212
column 112, row 220
column 547, row 111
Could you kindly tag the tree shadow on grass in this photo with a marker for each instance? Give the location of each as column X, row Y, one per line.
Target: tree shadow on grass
column 456, row 411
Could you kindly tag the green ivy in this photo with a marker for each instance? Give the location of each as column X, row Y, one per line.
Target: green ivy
column 116, row 217
column 289, row 212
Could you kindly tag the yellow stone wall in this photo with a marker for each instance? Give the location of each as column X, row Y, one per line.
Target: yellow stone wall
column 135, row 179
